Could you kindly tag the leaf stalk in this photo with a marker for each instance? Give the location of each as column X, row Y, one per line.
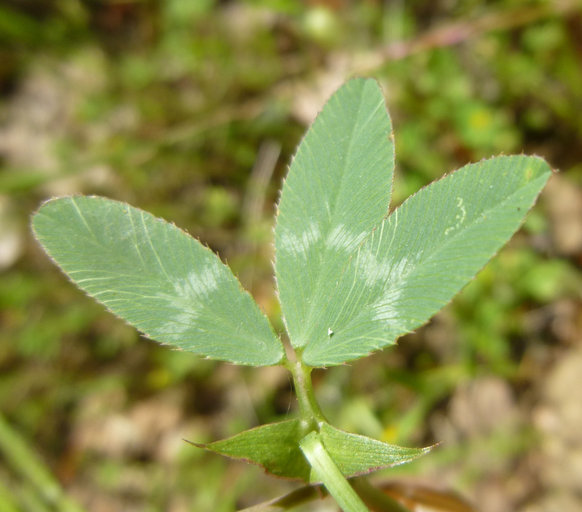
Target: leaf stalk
column 309, row 410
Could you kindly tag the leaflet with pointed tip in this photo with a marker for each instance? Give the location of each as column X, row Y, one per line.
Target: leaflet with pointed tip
column 417, row 259
column 338, row 188
column 156, row 277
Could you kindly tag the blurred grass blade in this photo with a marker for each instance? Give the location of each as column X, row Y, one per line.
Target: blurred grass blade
column 338, row 188
column 325, row 470
column 8, row 503
column 25, row 462
column 422, row 255
column 31, row 501
column 157, row 278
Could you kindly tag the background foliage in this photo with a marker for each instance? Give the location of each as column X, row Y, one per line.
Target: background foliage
column 191, row 110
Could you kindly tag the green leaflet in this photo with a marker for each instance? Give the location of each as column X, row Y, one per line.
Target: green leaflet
column 418, row 258
column 157, row 278
column 275, row 447
column 352, row 281
column 356, row 454
column 337, row 190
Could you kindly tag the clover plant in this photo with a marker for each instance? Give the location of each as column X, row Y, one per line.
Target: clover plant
column 351, row 276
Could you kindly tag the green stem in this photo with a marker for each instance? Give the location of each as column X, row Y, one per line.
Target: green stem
column 326, row 470
column 323, row 465
column 309, row 410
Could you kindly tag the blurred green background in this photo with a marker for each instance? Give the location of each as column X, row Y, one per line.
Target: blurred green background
column 192, row 110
